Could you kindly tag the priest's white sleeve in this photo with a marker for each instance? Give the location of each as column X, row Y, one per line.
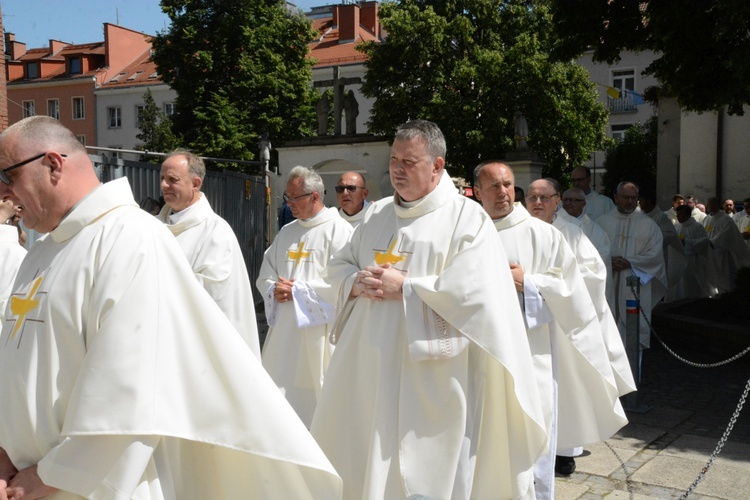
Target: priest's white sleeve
column 103, row 466
column 535, row 312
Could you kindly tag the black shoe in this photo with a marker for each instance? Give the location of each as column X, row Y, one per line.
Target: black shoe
column 565, row 466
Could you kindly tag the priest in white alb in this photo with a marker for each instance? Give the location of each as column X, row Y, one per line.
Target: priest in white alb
column 431, row 391
column 637, row 250
column 729, row 252
column 578, row 389
column 742, row 219
column 596, row 204
column 121, row 376
column 208, row 241
column 296, row 352
column 694, row 238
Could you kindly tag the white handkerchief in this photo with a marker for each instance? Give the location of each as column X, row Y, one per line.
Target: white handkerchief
column 310, row 309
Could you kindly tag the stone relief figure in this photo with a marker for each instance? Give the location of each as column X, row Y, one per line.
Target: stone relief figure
column 264, row 145
column 521, row 133
column 351, row 111
column 322, row 109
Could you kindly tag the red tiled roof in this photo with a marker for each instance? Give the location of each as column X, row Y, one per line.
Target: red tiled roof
column 328, row 51
column 141, row 72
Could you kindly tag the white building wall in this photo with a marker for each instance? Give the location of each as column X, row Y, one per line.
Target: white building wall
column 127, row 98
column 698, row 155
column 348, row 71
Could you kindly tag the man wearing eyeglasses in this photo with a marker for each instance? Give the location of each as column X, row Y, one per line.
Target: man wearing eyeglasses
column 573, row 372
column 208, row 241
column 596, row 204
column 297, row 348
column 574, row 201
column 351, row 194
column 121, row 376
column 636, row 245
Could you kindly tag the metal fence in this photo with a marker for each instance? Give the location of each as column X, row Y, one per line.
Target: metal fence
column 239, row 198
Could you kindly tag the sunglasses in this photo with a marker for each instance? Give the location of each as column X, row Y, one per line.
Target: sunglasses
column 351, row 189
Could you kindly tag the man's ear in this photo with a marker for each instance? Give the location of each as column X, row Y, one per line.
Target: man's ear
column 476, row 193
column 55, row 161
column 197, row 183
column 438, row 165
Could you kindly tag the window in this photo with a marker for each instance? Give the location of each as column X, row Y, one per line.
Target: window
column 53, row 108
column 29, row 108
column 139, row 110
column 32, row 70
column 114, row 117
column 79, row 112
column 81, row 139
column 618, row 131
column 169, row 109
column 624, row 79
column 75, row 66
column 115, row 154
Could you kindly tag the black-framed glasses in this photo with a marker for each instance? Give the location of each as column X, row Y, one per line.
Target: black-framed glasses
column 543, row 199
column 351, row 189
column 572, row 200
column 294, row 199
column 4, row 172
column 580, row 179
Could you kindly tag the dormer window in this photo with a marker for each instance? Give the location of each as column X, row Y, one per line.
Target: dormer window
column 75, row 66
column 32, row 70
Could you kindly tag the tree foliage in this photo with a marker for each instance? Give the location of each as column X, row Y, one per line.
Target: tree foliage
column 156, row 128
column 469, row 67
column 239, row 69
column 704, row 46
column 632, row 159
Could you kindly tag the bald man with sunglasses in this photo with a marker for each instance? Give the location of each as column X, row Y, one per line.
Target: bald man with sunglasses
column 351, row 193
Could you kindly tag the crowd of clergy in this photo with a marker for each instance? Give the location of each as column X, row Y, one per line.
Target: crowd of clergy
column 425, row 345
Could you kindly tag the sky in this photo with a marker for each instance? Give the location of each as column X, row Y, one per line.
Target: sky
column 35, row 22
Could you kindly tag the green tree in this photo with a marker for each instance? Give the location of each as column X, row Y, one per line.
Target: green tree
column 633, row 158
column 156, row 127
column 702, row 46
column 240, row 69
column 470, row 66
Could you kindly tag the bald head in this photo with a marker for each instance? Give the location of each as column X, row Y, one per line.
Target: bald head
column 541, row 200
column 52, row 174
column 494, row 187
column 351, row 192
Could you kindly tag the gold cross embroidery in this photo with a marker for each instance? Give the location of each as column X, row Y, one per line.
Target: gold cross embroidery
column 21, row 306
column 388, row 257
column 299, row 254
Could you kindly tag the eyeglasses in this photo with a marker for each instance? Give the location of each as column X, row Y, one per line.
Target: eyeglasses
column 4, row 172
column 351, row 189
column 580, row 179
column 543, row 199
column 572, row 200
column 294, row 199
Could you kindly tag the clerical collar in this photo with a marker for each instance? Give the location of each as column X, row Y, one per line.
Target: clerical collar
column 408, row 204
column 175, row 217
column 316, row 215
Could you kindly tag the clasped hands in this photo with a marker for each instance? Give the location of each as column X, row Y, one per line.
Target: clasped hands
column 378, row 283
column 282, row 291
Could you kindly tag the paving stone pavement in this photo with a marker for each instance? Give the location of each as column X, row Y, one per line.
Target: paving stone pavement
column 662, row 451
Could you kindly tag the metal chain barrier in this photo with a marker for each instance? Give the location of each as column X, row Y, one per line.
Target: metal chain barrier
column 670, row 351
column 628, row 481
column 732, row 421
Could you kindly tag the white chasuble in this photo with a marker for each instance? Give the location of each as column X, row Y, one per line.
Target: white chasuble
column 638, row 239
column 433, row 395
column 214, row 254
column 122, row 378
column 694, row 283
column 296, row 352
column 729, row 252
column 11, row 256
column 594, row 273
column 588, row 406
